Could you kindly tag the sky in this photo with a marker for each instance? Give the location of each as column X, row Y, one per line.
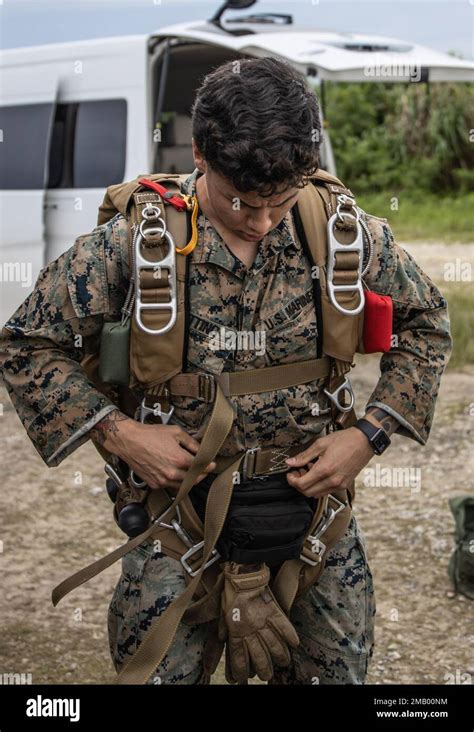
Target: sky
column 446, row 25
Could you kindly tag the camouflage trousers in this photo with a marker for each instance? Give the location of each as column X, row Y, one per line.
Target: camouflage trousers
column 334, row 619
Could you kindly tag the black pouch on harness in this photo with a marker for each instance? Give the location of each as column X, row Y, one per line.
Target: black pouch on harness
column 267, row 521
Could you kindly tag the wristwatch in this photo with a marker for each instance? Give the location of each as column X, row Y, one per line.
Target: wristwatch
column 377, row 437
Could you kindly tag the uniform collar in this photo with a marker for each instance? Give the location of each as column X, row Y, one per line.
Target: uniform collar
column 212, row 248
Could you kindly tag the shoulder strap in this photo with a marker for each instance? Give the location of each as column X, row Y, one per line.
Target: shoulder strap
column 156, row 358
column 316, row 204
column 117, row 198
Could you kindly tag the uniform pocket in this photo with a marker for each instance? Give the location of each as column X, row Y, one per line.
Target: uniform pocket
column 133, row 563
column 86, row 276
column 308, row 406
column 124, row 608
column 207, row 348
column 293, row 336
column 336, row 614
column 189, row 412
column 149, row 582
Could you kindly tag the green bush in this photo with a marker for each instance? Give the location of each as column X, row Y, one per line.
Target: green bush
column 396, row 136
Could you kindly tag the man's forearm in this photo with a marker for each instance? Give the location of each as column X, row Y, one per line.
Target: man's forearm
column 111, row 432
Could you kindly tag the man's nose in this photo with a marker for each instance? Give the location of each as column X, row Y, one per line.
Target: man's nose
column 260, row 221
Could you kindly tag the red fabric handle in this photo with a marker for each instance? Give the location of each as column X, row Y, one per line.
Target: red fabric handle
column 173, row 199
column 378, row 316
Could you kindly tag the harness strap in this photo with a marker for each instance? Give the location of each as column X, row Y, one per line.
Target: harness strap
column 296, row 575
column 235, row 383
column 254, row 381
column 219, row 426
column 159, row 637
column 259, row 461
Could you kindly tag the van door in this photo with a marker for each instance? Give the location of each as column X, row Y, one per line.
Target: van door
column 88, row 153
column 25, row 134
column 101, row 133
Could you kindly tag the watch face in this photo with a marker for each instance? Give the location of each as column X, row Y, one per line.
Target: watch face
column 380, row 441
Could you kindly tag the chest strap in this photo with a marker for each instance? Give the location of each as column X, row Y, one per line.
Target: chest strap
column 239, row 383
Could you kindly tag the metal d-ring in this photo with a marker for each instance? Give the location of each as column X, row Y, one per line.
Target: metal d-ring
column 168, row 262
column 334, row 396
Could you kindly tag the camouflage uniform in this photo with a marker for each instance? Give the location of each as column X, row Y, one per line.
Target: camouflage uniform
column 334, row 619
column 58, row 405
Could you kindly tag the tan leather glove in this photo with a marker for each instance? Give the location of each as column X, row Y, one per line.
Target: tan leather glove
column 256, row 630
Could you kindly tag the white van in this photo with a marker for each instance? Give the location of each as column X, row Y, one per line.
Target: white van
column 77, row 117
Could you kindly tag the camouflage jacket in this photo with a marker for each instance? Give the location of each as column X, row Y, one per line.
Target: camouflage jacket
column 60, row 322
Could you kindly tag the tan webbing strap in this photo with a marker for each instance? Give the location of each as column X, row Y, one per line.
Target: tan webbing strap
column 197, row 385
column 216, row 432
column 118, row 197
column 329, row 194
column 295, row 575
column 254, row 381
column 145, row 366
column 268, row 460
column 249, row 381
column 87, row 573
column 154, row 283
column 159, row 637
column 341, row 333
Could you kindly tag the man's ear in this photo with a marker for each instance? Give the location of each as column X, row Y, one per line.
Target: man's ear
column 199, row 161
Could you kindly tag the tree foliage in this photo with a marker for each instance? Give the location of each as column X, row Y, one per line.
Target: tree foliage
column 397, row 136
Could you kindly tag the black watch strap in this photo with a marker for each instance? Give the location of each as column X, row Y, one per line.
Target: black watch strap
column 377, row 437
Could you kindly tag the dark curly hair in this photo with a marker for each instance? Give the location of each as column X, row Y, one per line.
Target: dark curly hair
column 257, row 123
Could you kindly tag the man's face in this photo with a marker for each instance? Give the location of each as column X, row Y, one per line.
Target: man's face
column 248, row 216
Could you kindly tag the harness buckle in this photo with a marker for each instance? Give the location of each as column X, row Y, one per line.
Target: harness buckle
column 158, row 520
column 248, row 463
column 346, row 386
column 113, row 473
column 335, row 246
column 206, row 387
column 191, row 552
column 316, row 548
column 149, row 214
column 154, row 411
column 175, row 525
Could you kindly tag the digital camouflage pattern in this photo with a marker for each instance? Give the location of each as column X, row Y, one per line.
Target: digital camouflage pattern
column 60, row 322
column 334, row 619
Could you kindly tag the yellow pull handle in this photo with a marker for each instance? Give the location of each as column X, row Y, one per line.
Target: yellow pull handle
column 194, row 232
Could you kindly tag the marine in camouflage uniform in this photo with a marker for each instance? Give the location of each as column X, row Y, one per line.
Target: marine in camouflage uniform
column 58, row 406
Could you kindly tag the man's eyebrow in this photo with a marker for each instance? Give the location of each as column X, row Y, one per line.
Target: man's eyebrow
column 231, row 198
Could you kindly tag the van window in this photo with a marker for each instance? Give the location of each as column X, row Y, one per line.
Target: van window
column 100, row 143
column 24, row 144
column 88, row 145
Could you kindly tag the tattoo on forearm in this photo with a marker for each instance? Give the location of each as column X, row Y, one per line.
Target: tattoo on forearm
column 107, row 426
column 389, row 423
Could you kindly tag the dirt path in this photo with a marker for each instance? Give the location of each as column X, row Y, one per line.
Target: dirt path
column 57, row 520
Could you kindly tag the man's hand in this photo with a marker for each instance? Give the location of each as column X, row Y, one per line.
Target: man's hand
column 160, row 454
column 338, row 457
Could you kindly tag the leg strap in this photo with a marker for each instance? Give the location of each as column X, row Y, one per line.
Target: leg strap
column 328, row 526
